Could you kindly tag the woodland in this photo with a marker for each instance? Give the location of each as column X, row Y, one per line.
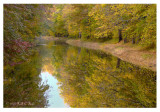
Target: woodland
column 23, row 23
column 87, row 78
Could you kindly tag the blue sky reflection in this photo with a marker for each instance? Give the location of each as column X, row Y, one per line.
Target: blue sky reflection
column 53, row 96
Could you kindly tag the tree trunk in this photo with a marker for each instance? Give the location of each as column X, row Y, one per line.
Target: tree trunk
column 120, row 35
column 133, row 40
column 79, row 34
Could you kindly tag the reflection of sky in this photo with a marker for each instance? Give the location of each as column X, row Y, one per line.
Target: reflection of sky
column 53, row 97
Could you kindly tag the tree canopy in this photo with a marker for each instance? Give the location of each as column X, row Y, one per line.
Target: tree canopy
column 137, row 22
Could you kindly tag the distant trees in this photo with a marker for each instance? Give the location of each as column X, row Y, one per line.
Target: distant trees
column 129, row 22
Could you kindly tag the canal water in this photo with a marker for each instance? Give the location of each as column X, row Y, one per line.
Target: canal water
column 58, row 75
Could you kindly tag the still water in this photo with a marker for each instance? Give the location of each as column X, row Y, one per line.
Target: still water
column 58, row 75
column 53, row 97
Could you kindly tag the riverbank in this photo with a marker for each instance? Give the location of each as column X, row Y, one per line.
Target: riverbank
column 125, row 52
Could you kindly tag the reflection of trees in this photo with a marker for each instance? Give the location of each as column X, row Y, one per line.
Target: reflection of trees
column 118, row 63
column 46, row 53
column 23, row 90
column 94, row 79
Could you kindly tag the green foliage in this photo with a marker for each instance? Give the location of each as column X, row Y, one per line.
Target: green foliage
column 20, row 28
column 22, row 24
column 137, row 21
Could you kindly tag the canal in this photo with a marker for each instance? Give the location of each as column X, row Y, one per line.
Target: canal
column 58, row 75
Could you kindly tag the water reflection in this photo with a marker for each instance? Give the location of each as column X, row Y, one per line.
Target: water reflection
column 85, row 78
column 21, row 84
column 52, row 94
column 91, row 78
